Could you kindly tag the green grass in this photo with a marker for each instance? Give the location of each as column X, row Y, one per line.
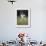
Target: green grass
column 22, row 21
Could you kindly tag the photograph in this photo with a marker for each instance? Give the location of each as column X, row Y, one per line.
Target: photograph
column 23, row 17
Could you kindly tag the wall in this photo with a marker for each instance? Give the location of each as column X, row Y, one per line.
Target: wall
column 8, row 29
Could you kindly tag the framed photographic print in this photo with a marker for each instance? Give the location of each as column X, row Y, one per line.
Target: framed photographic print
column 23, row 16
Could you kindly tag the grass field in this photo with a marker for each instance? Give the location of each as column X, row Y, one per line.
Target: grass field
column 22, row 21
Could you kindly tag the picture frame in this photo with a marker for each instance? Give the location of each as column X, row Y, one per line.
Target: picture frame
column 23, row 17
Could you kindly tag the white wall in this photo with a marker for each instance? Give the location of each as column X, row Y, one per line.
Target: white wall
column 8, row 29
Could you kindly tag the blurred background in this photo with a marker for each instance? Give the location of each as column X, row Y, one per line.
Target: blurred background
column 37, row 30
